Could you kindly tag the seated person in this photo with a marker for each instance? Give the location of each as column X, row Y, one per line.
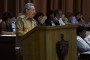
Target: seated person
column 59, row 17
column 50, row 21
column 39, row 17
column 82, row 45
column 78, row 19
column 69, row 16
column 6, row 24
column 65, row 19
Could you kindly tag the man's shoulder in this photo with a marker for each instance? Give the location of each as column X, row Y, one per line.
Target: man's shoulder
column 22, row 16
column 34, row 19
column 78, row 37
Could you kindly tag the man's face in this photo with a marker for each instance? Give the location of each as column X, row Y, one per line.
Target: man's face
column 40, row 18
column 83, row 33
column 31, row 12
column 59, row 15
column 52, row 15
column 79, row 16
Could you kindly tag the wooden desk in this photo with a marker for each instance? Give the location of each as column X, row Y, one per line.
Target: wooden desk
column 7, row 47
column 41, row 43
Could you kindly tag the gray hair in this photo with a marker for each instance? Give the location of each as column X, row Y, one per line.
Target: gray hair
column 28, row 6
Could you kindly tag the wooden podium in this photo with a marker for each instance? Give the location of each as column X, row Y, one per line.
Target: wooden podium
column 40, row 42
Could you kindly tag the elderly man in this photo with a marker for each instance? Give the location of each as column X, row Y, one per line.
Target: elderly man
column 26, row 22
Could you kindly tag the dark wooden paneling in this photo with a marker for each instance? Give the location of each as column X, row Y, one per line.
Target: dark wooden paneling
column 86, row 10
column 11, row 6
column 60, row 4
column 1, row 7
column 20, row 6
column 46, row 5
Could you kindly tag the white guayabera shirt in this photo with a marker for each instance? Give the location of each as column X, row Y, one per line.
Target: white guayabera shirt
column 87, row 39
column 82, row 45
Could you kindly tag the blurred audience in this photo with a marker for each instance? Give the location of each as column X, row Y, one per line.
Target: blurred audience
column 39, row 17
column 50, row 21
column 58, row 17
column 78, row 19
column 65, row 19
column 69, row 16
column 6, row 24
